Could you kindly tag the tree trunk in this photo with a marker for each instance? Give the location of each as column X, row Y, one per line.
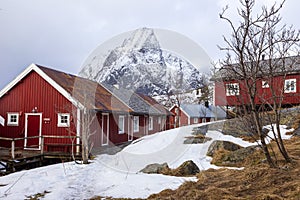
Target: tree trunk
column 85, row 141
column 266, row 152
column 85, row 156
column 262, row 138
column 281, row 145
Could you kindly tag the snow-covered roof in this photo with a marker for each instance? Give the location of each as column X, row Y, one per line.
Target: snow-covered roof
column 199, row 110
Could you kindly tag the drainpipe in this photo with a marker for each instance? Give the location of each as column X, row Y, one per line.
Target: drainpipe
column 78, row 129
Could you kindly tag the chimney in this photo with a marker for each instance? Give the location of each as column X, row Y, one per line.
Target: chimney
column 206, row 104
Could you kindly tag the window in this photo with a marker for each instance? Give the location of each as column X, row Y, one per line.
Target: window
column 13, row 119
column 159, row 120
column 232, row 89
column 150, row 123
column 203, row 120
column 63, row 120
column 264, row 84
column 136, row 123
column 121, row 124
column 290, row 85
column 195, row 120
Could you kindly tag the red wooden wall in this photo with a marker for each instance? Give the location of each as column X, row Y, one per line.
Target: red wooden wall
column 33, row 91
column 183, row 118
column 262, row 95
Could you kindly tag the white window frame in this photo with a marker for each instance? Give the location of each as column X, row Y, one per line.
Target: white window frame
column 203, row 120
column 121, row 124
column 11, row 115
column 150, row 121
column 232, row 89
column 136, row 123
column 287, row 85
column 265, row 84
column 195, row 120
column 59, row 120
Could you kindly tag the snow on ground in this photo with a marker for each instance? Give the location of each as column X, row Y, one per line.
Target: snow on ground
column 117, row 175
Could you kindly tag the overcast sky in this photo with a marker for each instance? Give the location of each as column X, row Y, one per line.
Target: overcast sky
column 62, row 34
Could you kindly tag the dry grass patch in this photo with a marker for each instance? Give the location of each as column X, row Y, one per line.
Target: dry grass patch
column 256, row 181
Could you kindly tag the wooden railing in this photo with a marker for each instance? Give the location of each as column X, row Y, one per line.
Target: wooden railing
column 41, row 145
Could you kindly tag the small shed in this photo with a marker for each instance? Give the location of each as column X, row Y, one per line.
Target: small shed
column 188, row 114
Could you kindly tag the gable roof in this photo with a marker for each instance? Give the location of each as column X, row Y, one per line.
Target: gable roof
column 199, row 110
column 91, row 94
column 135, row 101
column 155, row 104
column 281, row 66
column 35, row 68
column 79, row 91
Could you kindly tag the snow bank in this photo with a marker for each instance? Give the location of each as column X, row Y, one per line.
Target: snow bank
column 117, row 175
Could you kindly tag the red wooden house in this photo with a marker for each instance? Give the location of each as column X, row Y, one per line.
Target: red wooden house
column 47, row 109
column 188, row 114
column 230, row 91
column 147, row 115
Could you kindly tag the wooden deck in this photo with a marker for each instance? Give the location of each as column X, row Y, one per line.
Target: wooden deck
column 15, row 158
column 27, row 159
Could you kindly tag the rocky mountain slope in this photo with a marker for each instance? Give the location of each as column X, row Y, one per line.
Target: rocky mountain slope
column 142, row 65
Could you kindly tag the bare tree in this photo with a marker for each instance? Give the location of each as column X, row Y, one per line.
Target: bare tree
column 84, row 90
column 88, row 118
column 253, row 38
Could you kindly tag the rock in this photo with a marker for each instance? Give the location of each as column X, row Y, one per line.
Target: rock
column 200, row 130
column 218, row 144
column 240, row 154
column 233, row 158
column 155, row 168
column 297, row 132
column 196, row 140
column 188, row 168
column 265, row 132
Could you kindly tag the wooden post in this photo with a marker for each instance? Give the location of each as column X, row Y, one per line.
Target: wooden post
column 42, row 145
column 13, row 149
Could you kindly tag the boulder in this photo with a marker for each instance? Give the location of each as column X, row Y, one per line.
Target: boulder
column 155, row 168
column 233, row 158
column 265, row 132
column 218, row 144
column 196, row 140
column 200, row 130
column 188, row 168
column 297, row 131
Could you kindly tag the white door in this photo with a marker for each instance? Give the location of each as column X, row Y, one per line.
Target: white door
column 130, row 128
column 146, row 125
column 105, row 128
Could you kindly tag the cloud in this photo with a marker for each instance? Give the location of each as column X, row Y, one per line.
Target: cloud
column 61, row 34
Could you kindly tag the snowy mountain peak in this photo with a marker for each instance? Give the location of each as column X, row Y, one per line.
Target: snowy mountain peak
column 140, row 39
column 140, row 64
